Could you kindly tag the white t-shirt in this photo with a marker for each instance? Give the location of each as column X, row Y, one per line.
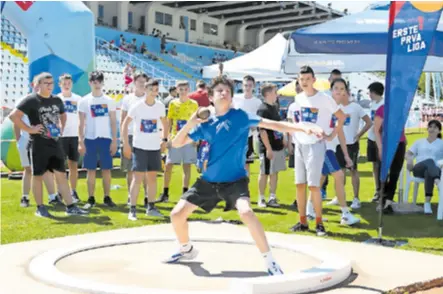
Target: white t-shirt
column 374, row 107
column 354, row 113
column 97, row 110
column 423, row 150
column 147, row 127
column 127, row 102
column 249, row 105
column 71, row 109
column 317, row 109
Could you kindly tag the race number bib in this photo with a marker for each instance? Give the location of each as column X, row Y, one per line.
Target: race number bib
column 148, row 126
column 278, row 135
column 71, row 106
column 180, row 124
column 309, row 114
column 52, row 131
column 98, row 110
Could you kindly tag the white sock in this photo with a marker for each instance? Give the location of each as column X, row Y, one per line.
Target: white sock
column 268, row 258
column 272, row 196
column 344, row 210
column 262, row 197
column 53, row 196
column 26, row 196
column 186, row 247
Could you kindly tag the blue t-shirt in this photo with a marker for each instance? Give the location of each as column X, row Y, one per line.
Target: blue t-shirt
column 228, row 137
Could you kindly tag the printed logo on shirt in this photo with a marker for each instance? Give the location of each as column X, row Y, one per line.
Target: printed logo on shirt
column 52, row 131
column 98, row 110
column 278, row 135
column 71, row 106
column 334, row 120
column 180, row 124
column 309, row 114
column 148, row 126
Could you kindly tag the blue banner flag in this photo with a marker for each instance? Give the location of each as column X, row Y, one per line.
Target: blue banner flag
column 412, row 26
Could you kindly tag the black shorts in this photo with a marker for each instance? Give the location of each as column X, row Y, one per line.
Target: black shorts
column 70, row 147
column 206, row 195
column 146, row 160
column 372, row 151
column 353, row 150
column 250, row 151
column 47, row 158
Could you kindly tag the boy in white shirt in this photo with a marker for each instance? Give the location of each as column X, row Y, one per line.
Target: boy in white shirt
column 139, row 94
column 150, row 135
column 70, row 132
column 354, row 114
column 311, row 107
column 97, row 136
column 250, row 104
column 376, row 91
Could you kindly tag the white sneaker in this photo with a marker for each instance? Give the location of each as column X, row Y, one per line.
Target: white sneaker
column 355, row 203
column 180, row 256
column 274, row 269
column 427, row 208
column 261, row 202
column 334, row 201
column 348, row 219
column 132, row 215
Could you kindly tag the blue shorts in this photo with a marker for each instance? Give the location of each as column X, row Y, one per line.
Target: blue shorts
column 330, row 164
column 98, row 149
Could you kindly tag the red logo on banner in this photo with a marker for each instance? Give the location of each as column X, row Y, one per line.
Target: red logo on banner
column 24, row 4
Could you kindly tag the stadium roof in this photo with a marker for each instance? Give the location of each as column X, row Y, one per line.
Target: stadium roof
column 276, row 16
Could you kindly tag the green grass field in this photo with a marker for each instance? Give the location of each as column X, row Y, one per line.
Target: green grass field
column 423, row 233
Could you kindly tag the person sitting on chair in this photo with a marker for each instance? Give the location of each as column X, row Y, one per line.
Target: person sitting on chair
column 427, row 152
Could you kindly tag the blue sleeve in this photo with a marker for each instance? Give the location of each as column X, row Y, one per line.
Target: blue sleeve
column 196, row 133
column 253, row 120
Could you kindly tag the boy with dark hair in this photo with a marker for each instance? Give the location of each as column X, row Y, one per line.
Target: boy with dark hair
column 97, row 136
column 225, row 177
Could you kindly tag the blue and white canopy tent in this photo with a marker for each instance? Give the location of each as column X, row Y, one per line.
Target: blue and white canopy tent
column 353, row 43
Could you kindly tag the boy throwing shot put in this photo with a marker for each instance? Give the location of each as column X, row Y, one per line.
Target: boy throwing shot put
column 225, row 177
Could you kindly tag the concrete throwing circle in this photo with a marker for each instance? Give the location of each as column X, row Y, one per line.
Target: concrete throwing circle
column 327, row 271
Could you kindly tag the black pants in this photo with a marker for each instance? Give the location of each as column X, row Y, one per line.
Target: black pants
column 428, row 170
column 394, row 172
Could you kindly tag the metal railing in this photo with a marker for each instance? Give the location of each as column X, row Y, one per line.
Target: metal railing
column 123, row 56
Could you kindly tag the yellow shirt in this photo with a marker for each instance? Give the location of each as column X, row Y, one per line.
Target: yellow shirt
column 180, row 112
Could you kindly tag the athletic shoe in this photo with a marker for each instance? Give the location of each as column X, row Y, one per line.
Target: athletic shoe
column 145, row 202
column 299, row 227
column 274, row 270
column 273, row 203
column 42, row 211
column 180, row 256
column 153, row 212
column 355, row 203
column 90, row 204
column 132, row 215
column 55, row 201
column 376, row 197
column 75, row 198
column 348, row 219
column 427, row 208
column 261, row 203
column 163, row 198
column 320, row 230
column 107, row 201
column 334, row 201
column 24, row 202
column 74, row 210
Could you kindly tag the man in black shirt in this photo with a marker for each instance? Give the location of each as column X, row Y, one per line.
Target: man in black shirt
column 47, row 118
column 272, row 145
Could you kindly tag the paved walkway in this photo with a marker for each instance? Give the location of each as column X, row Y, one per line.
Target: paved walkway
column 376, row 268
